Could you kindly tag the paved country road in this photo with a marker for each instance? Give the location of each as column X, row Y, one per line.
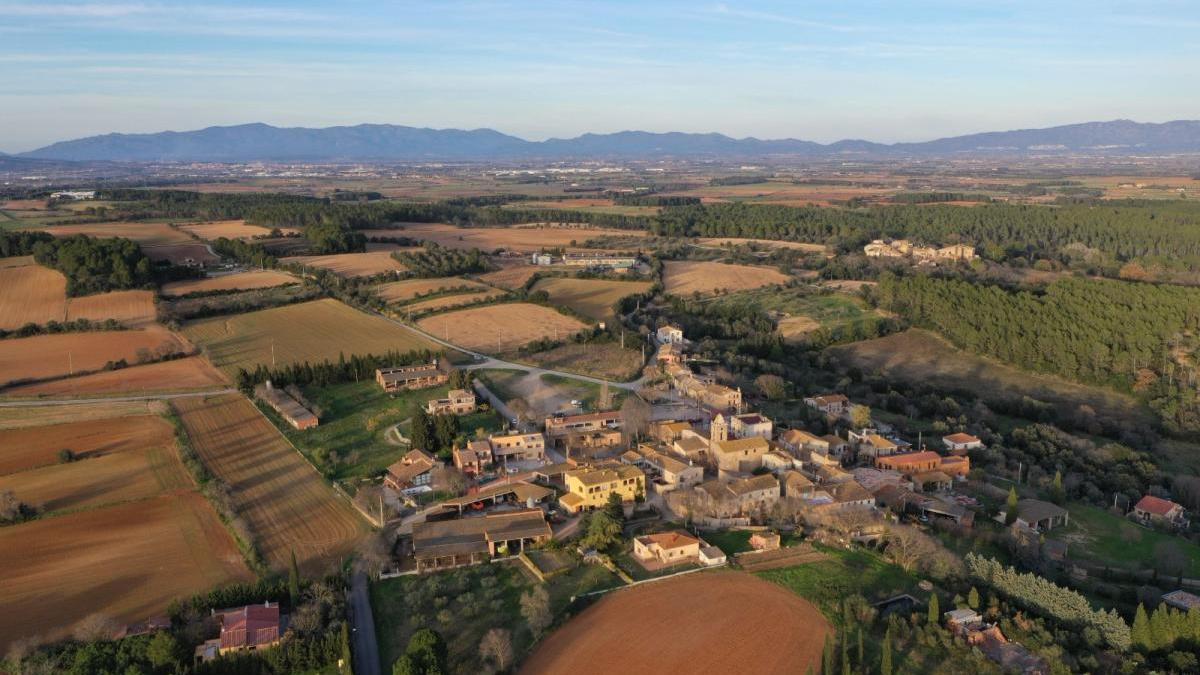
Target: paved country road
column 362, row 624
column 33, row 402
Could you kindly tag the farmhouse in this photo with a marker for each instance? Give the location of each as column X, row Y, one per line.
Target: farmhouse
column 830, row 404
column 706, row 391
column 457, row 402
column 881, row 249
column 740, row 426
column 740, row 455
column 288, row 408
column 666, row 548
column 414, row 470
column 871, row 445
column 561, row 427
column 244, row 629
column 1037, row 515
column 1151, row 510
column 411, row 377
column 474, row 458
column 741, row 496
column 446, row 544
column 669, row 335
column 960, row 443
column 592, row 444
column 515, row 447
column 589, row 487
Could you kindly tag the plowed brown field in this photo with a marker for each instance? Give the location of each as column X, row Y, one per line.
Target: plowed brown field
column 180, row 254
column 448, row 301
column 145, row 234
column 129, row 307
column 101, row 479
column 190, row 374
column 685, row 277
column 230, row 229
column 722, row 622
column 126, row 561
column 37, row 446
column 410, row 289
column 351, row 264
column 283, row 500
column 20, row 417
column 526, row 238
column 46, row 356
column 242, row 281
column 509, row 278
column 500, row 328
column 31, row 293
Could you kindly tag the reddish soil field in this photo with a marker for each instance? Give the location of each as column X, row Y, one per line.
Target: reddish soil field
column 48, row 356
column 190, row 374
column 286, row 504
column 685, row 277
column 128, row 307
column 500, row 328
column 241, row 281
column 37, row 446
column 127, row 562
column 30, row 293
column 722, row 622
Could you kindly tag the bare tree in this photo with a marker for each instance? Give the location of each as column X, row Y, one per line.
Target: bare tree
column 95, row 627
column 906, row 546
column 771, row 386
column 520, row 407
column 535, row 607
column 635, row 417
column 449, row 479
column 496, row 646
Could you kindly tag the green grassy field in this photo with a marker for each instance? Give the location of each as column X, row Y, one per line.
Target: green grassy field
column 1101, row 537
column 593, row 298
column 845, row 573
column 586, row 392
column 730, row 541
column 805, row 309
column 355, row 418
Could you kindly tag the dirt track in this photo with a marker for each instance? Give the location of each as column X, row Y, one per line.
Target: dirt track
column 720, row 622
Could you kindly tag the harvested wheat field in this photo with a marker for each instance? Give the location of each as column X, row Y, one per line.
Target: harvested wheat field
column 590, row 297
column 510, row 278
column 307, row 331
column 37, row 446
column 525, row 238
column 47, row 356
column 181, row 254
column 685, row 277
column 192, row 373
column 450, row 301
column 500, row 328
column 769, row 243
column 285, row 503
column 239, row 281
column 412, row 289
column 129, row 307
column 721, row 622
column 30, row 293
column 127, row 562
column 351, row 264
column 231, row 229
column 145, row 234
column 21, row 417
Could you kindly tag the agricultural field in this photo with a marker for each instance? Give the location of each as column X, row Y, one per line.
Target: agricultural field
column 686, row 277
column 524, row 238
column 546, row 394
column 590, row 297
column 917, row 355
column 598, row 359
column 180, row 254
column 136, row 533
column 49, row 356
column 1104, row 538
column 145, row 234
column 677, row 624
column 127, row 561
column 789, row 193
column 799, row 311
column 500, row 328
column 285, row 503
column 192, row 373
column 18, row 417
column 33, row 447
column 842, row 574
column 239, row 281
column 351, row 264
column 330, row 328
column 132, row 308
column 399, row 292
column 769, row 243
column 30, row 293
column 450, row 301
column 587, row 206
column 509, row 278
column 231, row 229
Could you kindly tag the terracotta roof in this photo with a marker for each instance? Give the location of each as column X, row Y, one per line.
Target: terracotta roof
column 250, row 626
column 471, row 535
column 753, row 444
column 669, row 540
column 911, row 457
column 1156, row 505
column 607, row 474
column 848, row 492
column 410, row 466
column 751, row 418
column 763, row 482
column 826, row 399
column 960, row 438
column 800, row 436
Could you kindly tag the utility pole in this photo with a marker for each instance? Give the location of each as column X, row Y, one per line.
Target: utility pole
column 272, row 353
column 70, row 363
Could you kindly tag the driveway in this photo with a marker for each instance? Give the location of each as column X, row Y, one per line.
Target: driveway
column 362, row 627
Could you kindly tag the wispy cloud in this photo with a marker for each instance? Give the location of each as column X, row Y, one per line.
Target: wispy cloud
column 723, row 9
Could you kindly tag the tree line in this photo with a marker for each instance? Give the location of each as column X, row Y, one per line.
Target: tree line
column 346, row 369
column 437, row 261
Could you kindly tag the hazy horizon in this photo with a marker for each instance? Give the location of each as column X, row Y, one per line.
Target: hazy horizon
column 539, row 70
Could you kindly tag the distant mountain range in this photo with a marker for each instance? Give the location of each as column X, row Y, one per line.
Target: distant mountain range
column 387, row 142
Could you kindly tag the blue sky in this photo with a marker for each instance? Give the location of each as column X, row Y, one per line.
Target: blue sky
column 883, row 70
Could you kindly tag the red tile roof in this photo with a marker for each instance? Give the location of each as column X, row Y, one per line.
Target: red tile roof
column 1156, row 505
column 960, row 438
column 669, row 540
column 250, row 626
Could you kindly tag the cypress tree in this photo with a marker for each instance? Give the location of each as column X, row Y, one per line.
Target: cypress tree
column 1010, row 510
column 1058, row 494
column 294, row 581
column 827, row 657
column 973, row 598
column 860, row 648
column 885, row 660
column 1139, row 634
column 934, row 613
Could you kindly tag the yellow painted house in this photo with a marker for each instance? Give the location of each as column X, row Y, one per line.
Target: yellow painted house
column 589, row 487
